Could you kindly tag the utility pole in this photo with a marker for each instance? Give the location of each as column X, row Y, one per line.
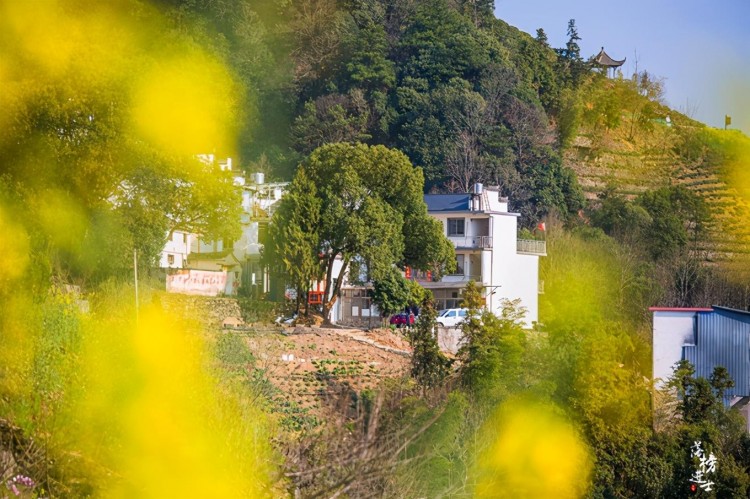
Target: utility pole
column 135, row 273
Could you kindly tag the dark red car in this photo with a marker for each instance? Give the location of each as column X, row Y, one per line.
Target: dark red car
column 402, row 320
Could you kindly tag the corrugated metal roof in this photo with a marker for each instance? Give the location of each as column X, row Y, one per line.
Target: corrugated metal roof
column 447, row 202
column 679, row 309
column 722, row 339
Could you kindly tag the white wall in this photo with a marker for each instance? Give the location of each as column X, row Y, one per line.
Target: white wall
column 517, row 275
column 504, row 273
column 521, row 281
column 672, row 330
column 178, row 246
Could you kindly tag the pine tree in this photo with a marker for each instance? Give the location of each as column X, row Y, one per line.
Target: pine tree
column 541, row 37
column 572, row 50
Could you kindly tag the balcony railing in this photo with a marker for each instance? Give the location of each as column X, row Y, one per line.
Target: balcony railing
column 531, row 247
column 474, row 242
column 461, row 277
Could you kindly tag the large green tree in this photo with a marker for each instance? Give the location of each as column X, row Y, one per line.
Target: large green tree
column 99, row 137
column 293, row 236
column 372, row 216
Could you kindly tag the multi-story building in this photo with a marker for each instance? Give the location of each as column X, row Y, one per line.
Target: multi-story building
column 238, row 260
column 176, row 250
column 488, row 251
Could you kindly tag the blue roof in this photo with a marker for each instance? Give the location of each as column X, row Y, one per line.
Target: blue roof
column 448, row 202
column 722, row 339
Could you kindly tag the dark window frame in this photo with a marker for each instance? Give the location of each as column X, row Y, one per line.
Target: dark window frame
column 454, row 224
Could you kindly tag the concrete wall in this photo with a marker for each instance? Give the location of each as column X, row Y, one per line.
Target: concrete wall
column 450, row 339
column 513, row 275
column 522, row 281
column 672, row 330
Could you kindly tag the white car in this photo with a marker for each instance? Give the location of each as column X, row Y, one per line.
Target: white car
column 452, row 317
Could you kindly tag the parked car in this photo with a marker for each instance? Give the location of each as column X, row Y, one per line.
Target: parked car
column 402, row 319
column 452, row 317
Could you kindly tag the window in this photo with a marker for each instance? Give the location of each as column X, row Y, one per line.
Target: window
column 462, row 313
column 459, row 265
column 170, row 259
column 456, row 227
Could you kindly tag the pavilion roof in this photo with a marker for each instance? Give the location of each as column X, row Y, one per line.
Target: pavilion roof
column 603, row 59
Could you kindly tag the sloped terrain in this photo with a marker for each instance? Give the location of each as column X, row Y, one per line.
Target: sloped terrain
column 318, row 373
column 636, row 163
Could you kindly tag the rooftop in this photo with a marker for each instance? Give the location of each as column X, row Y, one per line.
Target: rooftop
column 448, row 202
column 603, row 59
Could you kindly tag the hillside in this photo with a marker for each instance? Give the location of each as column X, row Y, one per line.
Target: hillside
column 648, row 146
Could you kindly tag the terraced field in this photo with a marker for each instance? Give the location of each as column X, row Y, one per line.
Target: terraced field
column 319, row 373
column 653, row 164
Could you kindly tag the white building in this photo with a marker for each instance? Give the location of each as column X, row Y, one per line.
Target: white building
column 673, row 329
column 241, row 258
column 707, row 338
column 176, row 250
column 488, row 251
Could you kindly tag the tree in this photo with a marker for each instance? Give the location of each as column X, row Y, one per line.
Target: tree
column 106, row 143
column 619, row 217
column 331, row 118
column 429, row 366
column 439, row 44
column 572, row 50
column 187, row 195
column 570, row 57
column 480, row 12
column 493, row 346
column 678, row 219
column 392, row 293
column 319, row 28
column 293, row 236
column 368, row 66
column 371, row 216
column 541, row 37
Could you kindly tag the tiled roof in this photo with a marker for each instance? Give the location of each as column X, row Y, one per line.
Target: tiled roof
column 603, row 59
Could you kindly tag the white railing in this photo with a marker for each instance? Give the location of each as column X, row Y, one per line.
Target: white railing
column 461, row 277
column 481, row 242
column 531, row 247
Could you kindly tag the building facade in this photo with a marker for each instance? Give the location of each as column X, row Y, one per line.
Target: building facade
column 488, row 251
column 239, row 259
column 707, row 338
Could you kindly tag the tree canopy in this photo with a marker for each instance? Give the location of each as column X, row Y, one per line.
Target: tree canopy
column 371, row 216
column 102, row 137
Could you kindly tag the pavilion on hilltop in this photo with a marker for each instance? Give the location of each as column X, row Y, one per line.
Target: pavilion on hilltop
column 603, row 60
